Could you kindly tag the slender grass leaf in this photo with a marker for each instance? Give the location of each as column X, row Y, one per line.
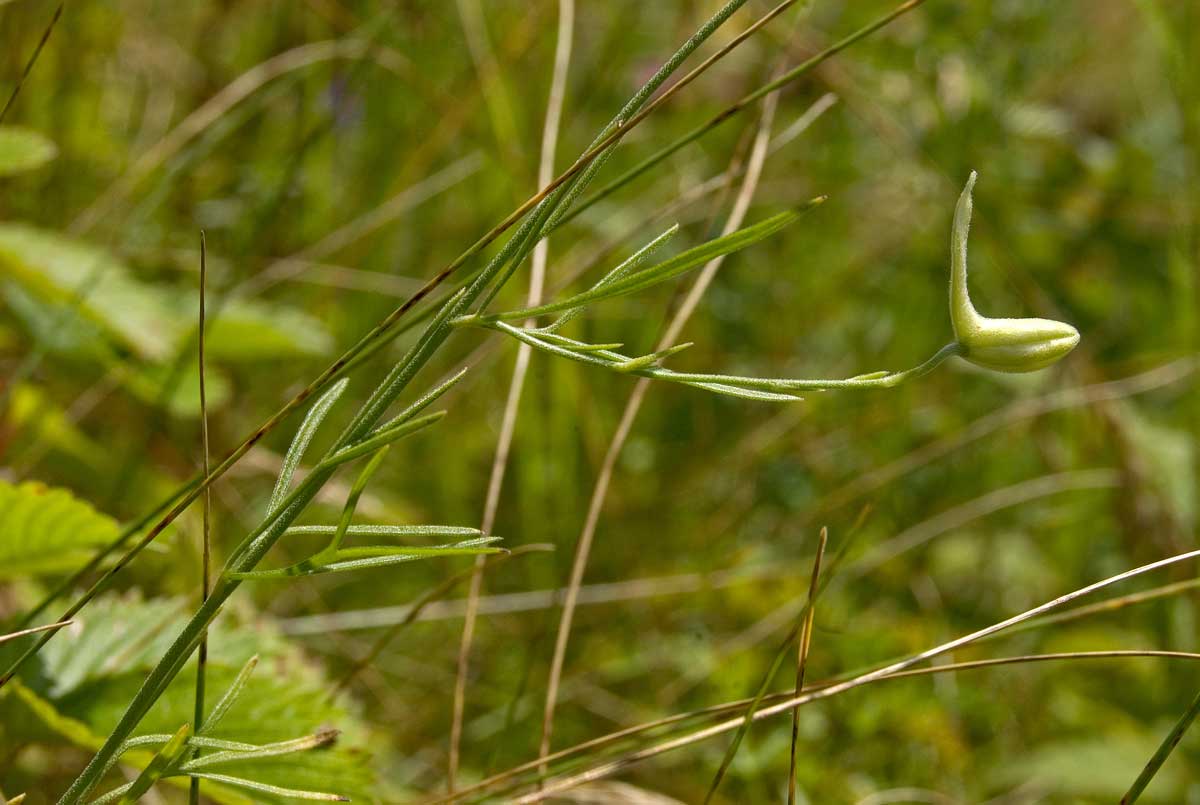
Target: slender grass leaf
column 686, row 261
column 388, row 530
column 356, row 491
column 382, row 437
column 372, row 557
column 320, row 738
column 304, row 434
column 276, row 790
column 230, row 695
column 160, row 766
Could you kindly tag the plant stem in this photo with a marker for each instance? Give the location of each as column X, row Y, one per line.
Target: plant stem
column 206, row 546
column 256, row 545
column 1163, row 752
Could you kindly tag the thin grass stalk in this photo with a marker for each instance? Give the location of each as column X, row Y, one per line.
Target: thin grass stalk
column 206, row 532
column 791, row 702
column 802, row 660
column 733, row 110
column 508, row 775
column 1161, row 754
column 4, row 638
column 537, row 275
column 625, row 426
column 377, row 336
column 37, row 51
column 255, row 546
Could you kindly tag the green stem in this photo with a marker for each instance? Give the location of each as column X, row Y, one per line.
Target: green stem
column 1164, row 750
column 608, row 359
column 730, row 112
column 256, row 545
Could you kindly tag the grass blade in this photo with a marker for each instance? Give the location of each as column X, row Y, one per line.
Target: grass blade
column 669, row 269
column 230, row 696
column 304, row 434
column 158, row 767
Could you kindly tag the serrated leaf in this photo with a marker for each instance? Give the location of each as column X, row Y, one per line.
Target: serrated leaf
column 91, row 671
column 47, row 530
column 23, row 149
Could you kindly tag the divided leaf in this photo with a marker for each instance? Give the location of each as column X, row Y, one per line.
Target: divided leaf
column 47, row 530
column 92, row 675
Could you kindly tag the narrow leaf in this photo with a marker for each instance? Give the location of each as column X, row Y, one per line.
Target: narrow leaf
column 681, row 263
column 356, row 491
column 381, row 437
column 425, row 400
column 300, row 442
column 319, row 738
column 388, row 530
column 230, row 696
column 372, row 557
column 645, row 361
column 271, row 789
column 636, row 261
column 159, row 766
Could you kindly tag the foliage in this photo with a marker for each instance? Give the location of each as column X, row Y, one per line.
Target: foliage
column 317, row 148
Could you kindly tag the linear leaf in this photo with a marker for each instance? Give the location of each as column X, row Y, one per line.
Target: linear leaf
column 372, row 557
column 661, row 272
column 300, row 441
column 381, row 437
column 161, row 765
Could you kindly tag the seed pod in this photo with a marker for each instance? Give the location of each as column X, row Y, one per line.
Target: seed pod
column 1003, row 345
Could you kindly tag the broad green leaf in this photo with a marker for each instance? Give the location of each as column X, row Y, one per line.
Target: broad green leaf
column 56, row 268
column 255, row 331
column 46, row 530
column 23, row 149
column 91, row 671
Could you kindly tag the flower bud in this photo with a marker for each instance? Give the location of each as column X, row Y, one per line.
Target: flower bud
column 1004, row 345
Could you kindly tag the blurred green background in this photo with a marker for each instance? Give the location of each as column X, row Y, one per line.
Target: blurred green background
column 338, row 152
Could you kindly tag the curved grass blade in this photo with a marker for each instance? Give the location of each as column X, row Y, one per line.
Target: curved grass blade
column 299, row 444
column 636, row 261
column 230, row 696
column 271, row 789
column 356, row 491
column 425, row 400
column 372, row 557
column 320, row 738
column 381, row 437
column 159, row 766
column 389, row 530
column 680, row 264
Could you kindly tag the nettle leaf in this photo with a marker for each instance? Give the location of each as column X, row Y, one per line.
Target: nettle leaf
column 56, row 268
column 23, row 149
column 91, row 671
column 256, row 331
column 46, row 530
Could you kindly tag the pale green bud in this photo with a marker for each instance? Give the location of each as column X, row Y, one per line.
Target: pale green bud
column 1004, row 345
